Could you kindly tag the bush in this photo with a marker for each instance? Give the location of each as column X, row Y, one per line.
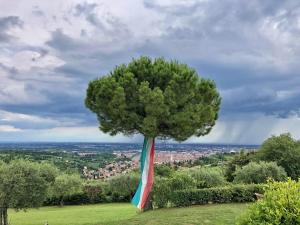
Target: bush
column 161, row 192
column 163, row 170
column 234, row 193
column 284, row 150
column 240, row 159
column 280, row 205
column 122, row 188
column 182, row 180
column 94, row 191
column 259, row 173
column 206, row 178
column 164, row 187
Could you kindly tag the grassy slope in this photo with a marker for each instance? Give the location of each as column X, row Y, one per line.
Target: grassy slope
column 125, row 214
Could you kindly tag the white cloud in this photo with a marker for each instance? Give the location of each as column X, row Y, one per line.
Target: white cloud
column 8, row 129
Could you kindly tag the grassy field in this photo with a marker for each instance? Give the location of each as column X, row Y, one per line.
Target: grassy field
column 125, row 214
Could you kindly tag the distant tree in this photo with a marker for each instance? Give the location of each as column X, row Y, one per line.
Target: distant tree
column 284, row 150
column 23, row 184
column 240, row 159
column 66, row 185
column 260, row 173
column 156, row 98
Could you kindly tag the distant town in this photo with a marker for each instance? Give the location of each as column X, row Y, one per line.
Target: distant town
column 129, row 160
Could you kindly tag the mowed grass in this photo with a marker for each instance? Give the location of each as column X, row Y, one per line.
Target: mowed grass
column 126, row 214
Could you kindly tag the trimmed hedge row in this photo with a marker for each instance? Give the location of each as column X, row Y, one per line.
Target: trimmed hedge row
column 179, row 198
column 234, row 193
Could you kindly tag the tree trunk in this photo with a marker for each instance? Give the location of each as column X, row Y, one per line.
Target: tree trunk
column 148, row 205
column 61, row 202
column 1, row 216
column 5, row 217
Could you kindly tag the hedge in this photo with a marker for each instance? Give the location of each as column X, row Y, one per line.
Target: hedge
column 234, row 193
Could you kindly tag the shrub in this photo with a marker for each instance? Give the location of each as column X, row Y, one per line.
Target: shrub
column 259, row 173
column 163, row 170
column 95, row 191
column 122, row 188
column 234, row 193
column 161, row 192
column 280, row 205
column 206, row 178
column 240, row 159
column 164, row 187
column 182, row 180
column 284, row 150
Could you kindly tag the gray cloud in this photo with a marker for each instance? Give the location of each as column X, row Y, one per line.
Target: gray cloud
column 250, row 48
column 5, row 24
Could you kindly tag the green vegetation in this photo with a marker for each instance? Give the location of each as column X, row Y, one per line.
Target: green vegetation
column 125, row 214
column 66, row 161
column 208, row 177
column 66, row 185
column 284, row 150
column 260, row 172
column 156, row 98
column 23, row 185
column 279, row 206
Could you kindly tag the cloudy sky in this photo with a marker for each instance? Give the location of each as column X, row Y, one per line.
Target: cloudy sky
column 49, row 50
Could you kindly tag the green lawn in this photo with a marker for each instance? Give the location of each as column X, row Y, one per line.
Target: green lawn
column 125, row 214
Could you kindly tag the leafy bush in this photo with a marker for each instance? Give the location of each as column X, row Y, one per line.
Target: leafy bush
column 95, row 191
column 163, row 170
column 122, row 188
column 161, row 192
column 206, row 178
column 234, row 193
column 164, row 187
column 66, row 185
column 182, row 180
column 280, row 205
column 259, row 173
column 284, row 150
column 240, row 159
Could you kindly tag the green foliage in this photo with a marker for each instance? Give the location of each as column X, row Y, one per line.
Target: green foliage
column 122, row 188
column 260, row 173
column 181, row 181
column 23, row 184
column 66, row 161
column 163, row 170
column 239, row 160
column 94, row 190
column 284, row 150
column 208, row 177
column 156, row 98
column 66, row 185
column 161, row 192
column 279, row 206
column 234, row 193
column 164, row 187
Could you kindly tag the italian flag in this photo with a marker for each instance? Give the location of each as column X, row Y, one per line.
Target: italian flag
column 147, row 169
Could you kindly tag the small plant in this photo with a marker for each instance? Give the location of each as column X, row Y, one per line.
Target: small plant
column 259, row 173
column 280, row 205
column 207, row 178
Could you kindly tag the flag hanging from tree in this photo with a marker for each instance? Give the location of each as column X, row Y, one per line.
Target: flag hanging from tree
column 147, row 173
